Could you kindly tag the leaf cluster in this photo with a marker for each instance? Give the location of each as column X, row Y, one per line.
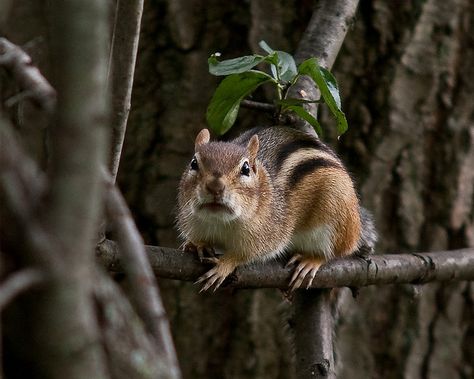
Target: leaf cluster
column 242, row 79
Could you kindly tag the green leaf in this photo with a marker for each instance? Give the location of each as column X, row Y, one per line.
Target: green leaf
column 233, row 66
column 332, row 85
column 286, row 66
column 329, row 90
column 283, row 64
column 305, row 115
column 224, row 106
column 265, row 47
column 272, row 59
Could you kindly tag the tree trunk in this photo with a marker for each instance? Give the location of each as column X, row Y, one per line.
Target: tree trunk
column 409, row 96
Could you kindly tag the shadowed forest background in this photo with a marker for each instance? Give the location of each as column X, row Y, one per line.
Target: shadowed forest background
column 405, row 72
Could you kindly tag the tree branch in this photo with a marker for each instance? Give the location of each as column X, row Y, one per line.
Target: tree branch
column 452, row 265
column 18, row 283
column 314, row 360
column 64, row 308
column 265, row 107
column 123, row 332
column 145, row 293
column 28, row 76
column 123, row 56
column 322, row 39
column 22, row 187
column 326, row 31
column 22, row 184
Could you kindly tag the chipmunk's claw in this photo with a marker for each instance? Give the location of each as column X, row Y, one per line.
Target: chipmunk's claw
column 293, row 259
column 215, row 276
column 204, row 252
column 306, row 269
column 209, row 260
column 211, row 279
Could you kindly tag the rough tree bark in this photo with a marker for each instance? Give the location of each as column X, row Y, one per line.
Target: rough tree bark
column 415, row 128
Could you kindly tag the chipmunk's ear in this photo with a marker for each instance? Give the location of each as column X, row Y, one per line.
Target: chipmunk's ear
column 202, row 138
column 252, row 147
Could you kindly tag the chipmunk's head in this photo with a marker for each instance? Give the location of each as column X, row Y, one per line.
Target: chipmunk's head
column 222, row 180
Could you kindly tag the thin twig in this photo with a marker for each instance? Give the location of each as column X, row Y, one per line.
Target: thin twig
column 121, row 71
column 266, row 107
column 22, row 187
column 451, row 265
column 281, row 118
column 22, row 184
column 145, row 292
column 18, row 283
column 30, row 79
column 322, row 39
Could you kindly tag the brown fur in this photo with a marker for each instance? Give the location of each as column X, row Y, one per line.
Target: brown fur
column 297, row 192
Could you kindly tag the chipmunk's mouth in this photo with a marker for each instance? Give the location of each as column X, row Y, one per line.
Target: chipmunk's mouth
column 216, row 207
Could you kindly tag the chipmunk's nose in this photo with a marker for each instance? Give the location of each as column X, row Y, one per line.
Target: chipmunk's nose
column 215, row 187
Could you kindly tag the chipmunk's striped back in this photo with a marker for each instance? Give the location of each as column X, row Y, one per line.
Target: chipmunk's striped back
column 319, row 193
column 290, row 155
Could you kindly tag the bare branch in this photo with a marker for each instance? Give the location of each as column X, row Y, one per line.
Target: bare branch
column 314, row 360
column 34, row 85
column 123, row 332
column 145, row 292
column 326, row 31
column 121, row 71
column 451, row 265
column 78, row 138
column 322, row 39
column 18, row 283
column 71, row 212
column 22, row 187
column 21, row 182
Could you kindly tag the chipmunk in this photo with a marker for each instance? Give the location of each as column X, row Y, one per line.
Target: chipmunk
column 268, row 191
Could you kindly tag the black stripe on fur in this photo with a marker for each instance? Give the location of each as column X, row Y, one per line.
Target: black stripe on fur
column 287, row 149
column 307, row 167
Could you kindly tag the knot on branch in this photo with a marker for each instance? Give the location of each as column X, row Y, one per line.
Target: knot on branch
column 320, row 369
column 430, row 268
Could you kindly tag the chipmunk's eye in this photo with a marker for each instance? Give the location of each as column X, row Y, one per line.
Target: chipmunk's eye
column 245, row 170
column 194, row 164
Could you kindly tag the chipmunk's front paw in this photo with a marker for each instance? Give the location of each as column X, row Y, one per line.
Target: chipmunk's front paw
column 216, row 276
column 204, row 252
column 305, row 270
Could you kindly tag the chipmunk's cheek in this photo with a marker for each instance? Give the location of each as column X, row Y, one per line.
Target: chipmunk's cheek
column 234, row 204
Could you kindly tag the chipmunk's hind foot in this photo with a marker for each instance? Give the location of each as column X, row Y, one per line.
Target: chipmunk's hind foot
column 305, row 270
column 216, row 276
